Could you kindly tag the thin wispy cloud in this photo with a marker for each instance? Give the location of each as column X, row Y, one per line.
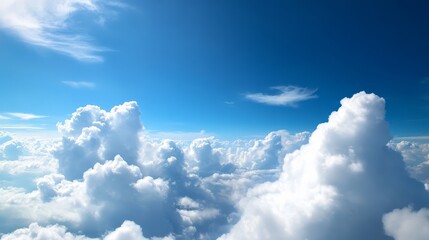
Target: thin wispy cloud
column 47, row 23
column 286, row 96
column 25, row 116
column 3, row 117
column 20, row 127
column 412, row 138
column 79, row 84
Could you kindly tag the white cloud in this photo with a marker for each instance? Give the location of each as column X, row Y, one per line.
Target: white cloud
column 108, row 194
column 321, row 195
column 196, row 216
column 128, row 230
column 34, row 165
column 288, row 96
column 150, row 186
column 11, row 150
column 267, row 153
column 405, row 224
column 416, row 158
column 116, row 191
column 3, row 117
column 412, row 138
column 206, row 158
column 94, row 135
column 79, row 84
column 36, row 232
column 48, row 23
column 47, row 186
column 29, row 155
column 4, row 137
column 178, row 135
column 188, row 203
column 25, row 116
column 109, row 179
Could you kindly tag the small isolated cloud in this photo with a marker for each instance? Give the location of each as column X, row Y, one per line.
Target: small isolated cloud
column 25, row 116
column 287, row 96
column 3, row 117
column 47, row 23
column 79, row 84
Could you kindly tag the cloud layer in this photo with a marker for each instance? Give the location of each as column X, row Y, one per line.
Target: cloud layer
column 106, row 179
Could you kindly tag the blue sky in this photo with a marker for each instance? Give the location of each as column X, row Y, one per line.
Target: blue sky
column 190, row 64
column 214, row 119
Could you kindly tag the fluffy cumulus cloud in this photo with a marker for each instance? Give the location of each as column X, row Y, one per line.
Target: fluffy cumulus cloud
column 405, row 223
column 266, row 153
column 95, row 135
column 108, row 194
column 128, row 230
column 34, row 231
column 106, row 179
column 4, row 137
column 24, row 159
column 144, row 202
column 205, row 157
column 338, row 186
column 10, row 148
column 51, row 24
column 416, row 157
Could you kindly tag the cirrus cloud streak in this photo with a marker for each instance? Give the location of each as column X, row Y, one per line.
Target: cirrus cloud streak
column 287, row 96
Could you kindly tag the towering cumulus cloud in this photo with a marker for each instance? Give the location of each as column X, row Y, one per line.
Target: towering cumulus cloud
column 338, row 186
column 94, row 135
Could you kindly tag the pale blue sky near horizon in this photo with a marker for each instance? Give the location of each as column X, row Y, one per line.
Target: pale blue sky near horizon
column 195, row 65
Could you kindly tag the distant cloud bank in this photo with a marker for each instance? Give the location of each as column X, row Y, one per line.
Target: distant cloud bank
column 107, row 179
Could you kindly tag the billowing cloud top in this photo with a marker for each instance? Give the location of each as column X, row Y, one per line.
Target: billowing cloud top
column 338, row 186
column 106, row 179
column 94, row 135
